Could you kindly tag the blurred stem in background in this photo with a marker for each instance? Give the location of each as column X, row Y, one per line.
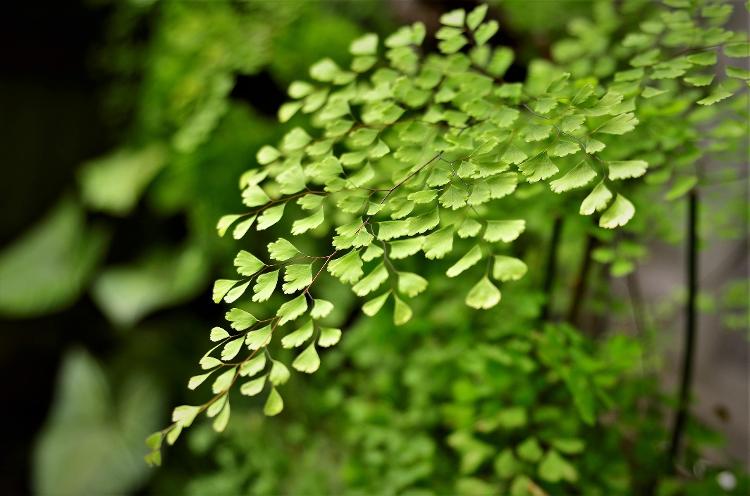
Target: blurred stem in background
column 692, row 270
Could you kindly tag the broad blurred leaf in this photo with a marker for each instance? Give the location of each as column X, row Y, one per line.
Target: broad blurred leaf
column 92, row 443
column 163, row 278
column 115, row 183
column 47, row 268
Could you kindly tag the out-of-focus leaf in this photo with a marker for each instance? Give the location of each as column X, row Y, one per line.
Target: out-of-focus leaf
column 115, row 183
column 90, row 443
column 163, row 278
column 47, row 268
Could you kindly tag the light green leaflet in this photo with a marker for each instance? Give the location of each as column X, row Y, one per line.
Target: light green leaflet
column 396, row 154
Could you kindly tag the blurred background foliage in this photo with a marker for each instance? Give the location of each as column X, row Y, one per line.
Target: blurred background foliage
column 133, row 141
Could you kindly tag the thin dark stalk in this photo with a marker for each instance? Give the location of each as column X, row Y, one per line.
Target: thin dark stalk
column 688, row 356
column 580, row 285
column 636, row 303
column 551, row 268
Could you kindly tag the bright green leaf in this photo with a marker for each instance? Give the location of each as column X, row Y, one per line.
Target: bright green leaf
column 348, row 268
column 247, row 264
column 508, row 268
column 274, row 404
column 254, row 387
column 224, row 380
column 225, row 222
column 217, row 334
column 297, row 277
column 292, row 309
column 483, row 295
column 364, row 45
column 374, row 305
column 240, row 319
column 259, row 338
column 242, row 227
column 270, row 216
column 308, row 361
column 439, row 243
column 221, row 288
column 504, row 230
column 329, row 336
column 453, row 18
column 279, row 373
column 470, row 258
column 231, row 349
column 597, row 200
column 265, row 285
column 411, row 284
column 401, row 311
column 267, row 154
column 577, row 177
column 184, row 415
column 321, row 309
column 371, row 281
column 303, row 225
column 282, row 250
column 298, row 337
column 618, row 214
column 626, row 169
column 251, row 367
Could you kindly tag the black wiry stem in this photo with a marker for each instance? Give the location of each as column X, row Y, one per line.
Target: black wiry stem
column 688, row 356
column 636, row 302
column 580, row 285
column 551, row 268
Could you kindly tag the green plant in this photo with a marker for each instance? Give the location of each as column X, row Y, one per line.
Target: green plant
column 438, row 154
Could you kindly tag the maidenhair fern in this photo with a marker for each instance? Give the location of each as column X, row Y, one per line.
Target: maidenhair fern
column 408, row 154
